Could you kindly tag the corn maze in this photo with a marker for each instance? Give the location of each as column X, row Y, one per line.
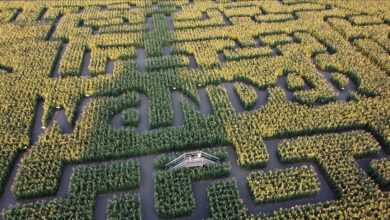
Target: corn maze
column 292, row 96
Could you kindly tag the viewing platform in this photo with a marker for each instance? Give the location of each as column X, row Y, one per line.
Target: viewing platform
column 192, row 159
